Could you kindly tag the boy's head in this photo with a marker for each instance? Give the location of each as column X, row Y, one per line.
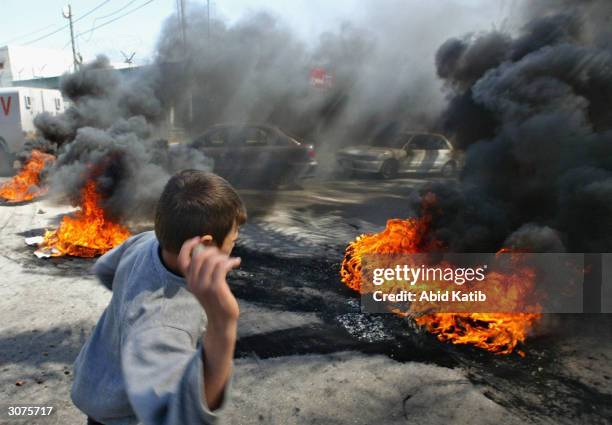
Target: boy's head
column 197, row 203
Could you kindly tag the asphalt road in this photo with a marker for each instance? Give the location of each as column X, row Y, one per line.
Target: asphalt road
column 305, row 355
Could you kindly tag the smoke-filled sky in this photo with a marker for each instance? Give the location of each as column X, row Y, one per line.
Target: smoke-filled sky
column 527, row 98
column 532, row 111
column 256, row 68
column 138, row 31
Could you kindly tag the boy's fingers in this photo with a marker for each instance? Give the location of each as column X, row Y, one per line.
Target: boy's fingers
column 184, row 257
column 205, row 273
column 224, row 267
column 199, row 263
column 229, row 264
column 234, row 262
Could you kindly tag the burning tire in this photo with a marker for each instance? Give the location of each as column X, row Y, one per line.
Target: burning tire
column 389, row 169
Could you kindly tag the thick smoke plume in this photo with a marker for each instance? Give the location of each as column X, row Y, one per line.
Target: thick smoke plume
column 257, row 70
column 533, row 111
column 108, row 133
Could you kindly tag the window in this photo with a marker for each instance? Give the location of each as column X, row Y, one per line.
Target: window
column 395, row 142
column 427, row 142
column 253, row 137
column 250, row 136
column 217, row 138
column 213, row 138
column 441, row 143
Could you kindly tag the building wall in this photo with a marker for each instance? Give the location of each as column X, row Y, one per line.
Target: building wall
column 29, row 63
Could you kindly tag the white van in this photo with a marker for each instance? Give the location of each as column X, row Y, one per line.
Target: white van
column 18, row 108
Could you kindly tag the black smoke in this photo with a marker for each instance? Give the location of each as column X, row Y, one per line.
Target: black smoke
column 109, row 133
column 254, row 70
column 533, row 112
column 257, row 70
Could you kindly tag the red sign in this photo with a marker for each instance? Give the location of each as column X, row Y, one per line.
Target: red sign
column 6, row 105
column 319, row 78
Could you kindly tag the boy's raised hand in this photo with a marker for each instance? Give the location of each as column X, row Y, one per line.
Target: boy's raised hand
column 205, row 269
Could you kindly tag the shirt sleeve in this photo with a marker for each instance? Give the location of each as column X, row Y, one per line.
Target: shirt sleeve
column 106, row 265
column 164, row 378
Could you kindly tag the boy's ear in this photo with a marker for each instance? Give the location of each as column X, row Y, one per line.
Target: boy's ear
column 206, row 240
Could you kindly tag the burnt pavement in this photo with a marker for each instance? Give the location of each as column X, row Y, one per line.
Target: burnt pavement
column 305, row 353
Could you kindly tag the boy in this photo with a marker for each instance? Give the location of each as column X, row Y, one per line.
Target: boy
column 149, row 360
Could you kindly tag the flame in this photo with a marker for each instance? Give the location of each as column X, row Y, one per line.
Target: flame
column 399, row 237
column 499, row 333
column 86, row 234
column 25, row 185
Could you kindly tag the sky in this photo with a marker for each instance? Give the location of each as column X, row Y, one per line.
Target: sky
column 133, row 26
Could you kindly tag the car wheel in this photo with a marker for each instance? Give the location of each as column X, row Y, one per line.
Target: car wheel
column 449, row 169
column 389, row 169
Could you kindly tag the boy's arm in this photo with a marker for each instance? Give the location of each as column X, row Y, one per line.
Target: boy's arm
column 205, row 270
column 166, row 381
column 106, row 266
column 218, row 354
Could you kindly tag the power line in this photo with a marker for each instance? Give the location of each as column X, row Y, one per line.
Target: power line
column 122, row 8
column 19, row 37
column 92, row 11
column 68, row 25
column 98, row 18
column 115, row 19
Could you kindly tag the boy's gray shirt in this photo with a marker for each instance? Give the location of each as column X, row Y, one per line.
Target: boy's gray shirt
column 143, row 362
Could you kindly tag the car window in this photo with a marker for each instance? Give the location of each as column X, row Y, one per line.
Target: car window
column 396, row 142
column 279, row 138
column 248, row 136
column 440, row 143
column 255, row 137
column 417, row 142
column 427, row 142
column 212, row 138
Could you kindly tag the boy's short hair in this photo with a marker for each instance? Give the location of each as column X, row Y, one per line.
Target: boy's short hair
column 196, row 203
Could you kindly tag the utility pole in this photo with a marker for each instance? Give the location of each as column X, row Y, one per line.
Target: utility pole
column 67, row 12
column 183, row 25
column 208, row 17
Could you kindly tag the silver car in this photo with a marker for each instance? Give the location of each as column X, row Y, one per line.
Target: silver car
column 407, row 152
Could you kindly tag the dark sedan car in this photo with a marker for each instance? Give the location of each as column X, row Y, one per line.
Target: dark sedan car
column 256, row 155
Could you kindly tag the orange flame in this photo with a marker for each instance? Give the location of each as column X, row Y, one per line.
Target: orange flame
column 25, row 185
column 496, row 332
column 86, row 234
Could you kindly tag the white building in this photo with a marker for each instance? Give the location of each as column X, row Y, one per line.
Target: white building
column 28, row 63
